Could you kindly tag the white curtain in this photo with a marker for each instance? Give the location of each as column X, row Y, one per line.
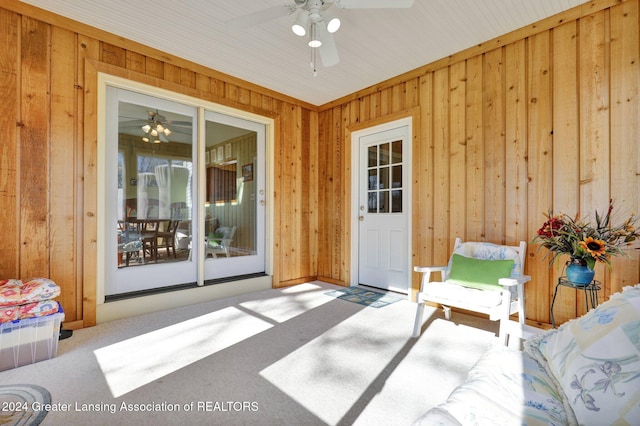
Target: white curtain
column 173, row 187
column 147, row 196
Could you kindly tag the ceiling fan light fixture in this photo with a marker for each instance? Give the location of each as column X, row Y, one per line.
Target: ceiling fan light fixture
column 333, row 25
column 301, row 24
column 333, row 22
column 154, row 129
column 314, row 41
column 310, row 14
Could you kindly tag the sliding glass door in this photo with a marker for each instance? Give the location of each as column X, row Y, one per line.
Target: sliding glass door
column 149, row 192
column 183, row 203
column 234, row 204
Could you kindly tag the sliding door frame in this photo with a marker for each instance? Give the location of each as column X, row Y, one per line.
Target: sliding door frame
column 268, row 121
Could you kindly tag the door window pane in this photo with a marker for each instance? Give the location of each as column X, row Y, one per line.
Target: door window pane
column 384, row 154
column 230, row 204
column 396, row 180
column 385, row 177
column 397, row 152
column 384, row 202
column 396, row 201
column 373, row 179
column 155, row 178
column 373, row 156
column 372, row 204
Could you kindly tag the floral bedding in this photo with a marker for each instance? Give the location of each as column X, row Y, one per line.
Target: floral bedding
column 28, row 310
column 586, row 372
column 20, row 299
column 596, row 360
column 18, row 292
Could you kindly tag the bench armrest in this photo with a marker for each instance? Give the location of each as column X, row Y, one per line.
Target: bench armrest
column 518, row 284
column 429, row 268
column 510, row 282
column 426, row 273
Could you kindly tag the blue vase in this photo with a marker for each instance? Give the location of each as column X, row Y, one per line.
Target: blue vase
column 579, row 273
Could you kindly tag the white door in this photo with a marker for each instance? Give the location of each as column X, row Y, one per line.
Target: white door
column 383, row 208
column 235, row 196
column 150, row 185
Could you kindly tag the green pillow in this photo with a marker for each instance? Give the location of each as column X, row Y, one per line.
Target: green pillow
column 479, row 273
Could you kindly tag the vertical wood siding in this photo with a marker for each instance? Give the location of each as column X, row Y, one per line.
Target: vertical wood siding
column 9, row 148
column 542, row 118
column 48, row 156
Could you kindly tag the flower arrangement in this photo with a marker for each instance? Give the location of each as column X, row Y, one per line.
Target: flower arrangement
column 585, row 242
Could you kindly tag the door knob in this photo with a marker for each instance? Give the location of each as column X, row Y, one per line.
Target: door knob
column 361, row 218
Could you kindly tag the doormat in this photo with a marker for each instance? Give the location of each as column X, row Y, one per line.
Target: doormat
column 21, row 404
column 365, row 297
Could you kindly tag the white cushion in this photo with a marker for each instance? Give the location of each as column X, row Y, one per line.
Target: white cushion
column 458, row 294
column 503, row 388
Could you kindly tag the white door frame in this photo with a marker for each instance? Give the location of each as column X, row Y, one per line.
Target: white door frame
column 225, row 267
column 355, row 178
column 105, row 80
column 149, row 276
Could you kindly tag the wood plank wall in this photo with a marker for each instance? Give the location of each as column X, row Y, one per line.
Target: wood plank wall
column 48, row 181
column 542, row 118
column 545, row 117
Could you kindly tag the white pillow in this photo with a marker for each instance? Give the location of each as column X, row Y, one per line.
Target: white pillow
column 596, row 360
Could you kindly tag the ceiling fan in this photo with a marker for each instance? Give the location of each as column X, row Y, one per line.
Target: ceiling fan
column 315, row 20
column 156, row 128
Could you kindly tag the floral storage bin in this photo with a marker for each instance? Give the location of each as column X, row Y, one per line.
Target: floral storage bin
column 27, row 341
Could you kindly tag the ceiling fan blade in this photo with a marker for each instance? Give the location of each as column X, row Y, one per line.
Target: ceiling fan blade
column 257, row 18
column 328, row 50
column 374, row 4
column 131, row 122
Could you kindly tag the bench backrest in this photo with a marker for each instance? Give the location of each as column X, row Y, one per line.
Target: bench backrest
column 490, row 251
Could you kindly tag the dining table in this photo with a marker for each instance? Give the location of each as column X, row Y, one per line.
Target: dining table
column 136, row 234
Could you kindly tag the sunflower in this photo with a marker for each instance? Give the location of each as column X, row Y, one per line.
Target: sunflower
column 587, row 241
column 594, row 247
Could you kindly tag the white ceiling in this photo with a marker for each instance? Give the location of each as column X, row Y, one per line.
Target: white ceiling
column 373, row 44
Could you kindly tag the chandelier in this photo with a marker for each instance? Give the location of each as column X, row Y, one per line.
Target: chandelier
column 155, row 129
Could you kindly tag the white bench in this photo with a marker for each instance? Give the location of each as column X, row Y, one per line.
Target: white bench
column 480, row 277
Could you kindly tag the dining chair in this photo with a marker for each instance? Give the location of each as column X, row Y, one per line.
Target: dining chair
column 149, row 239
column 167, row 238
